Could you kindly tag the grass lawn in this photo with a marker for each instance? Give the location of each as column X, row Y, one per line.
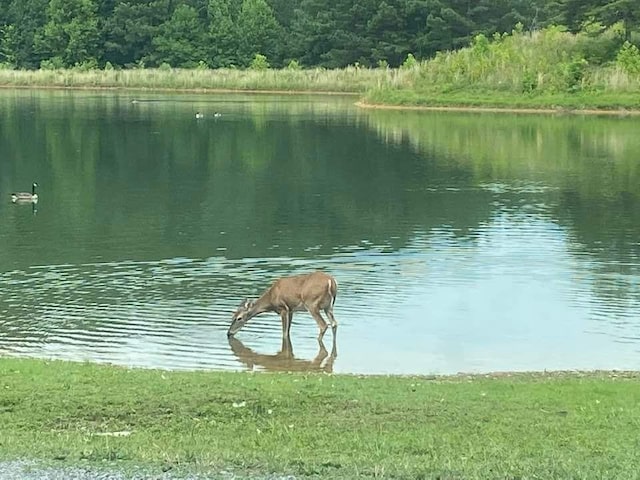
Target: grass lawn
column 563, row 425
column 589, row 102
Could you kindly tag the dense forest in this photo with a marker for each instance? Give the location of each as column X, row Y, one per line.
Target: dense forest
column 230, row 33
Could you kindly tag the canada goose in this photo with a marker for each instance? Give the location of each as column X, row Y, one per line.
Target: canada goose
column 25, row 197
column 199, row 115
column 217, row 115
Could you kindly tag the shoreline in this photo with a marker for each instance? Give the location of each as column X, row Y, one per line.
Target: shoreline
column 316, row 425
column 619, row 112
column 6, row 356
column 203, row 91
column 481, row 109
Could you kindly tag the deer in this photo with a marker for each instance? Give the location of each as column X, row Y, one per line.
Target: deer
column 312, row 292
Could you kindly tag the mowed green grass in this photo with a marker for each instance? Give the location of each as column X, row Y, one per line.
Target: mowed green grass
column 331, row 426
column 605, row 102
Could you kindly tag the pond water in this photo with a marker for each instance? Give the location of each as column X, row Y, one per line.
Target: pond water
column 460, row 242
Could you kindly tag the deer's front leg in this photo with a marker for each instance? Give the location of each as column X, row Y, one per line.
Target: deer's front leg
column 286, row 316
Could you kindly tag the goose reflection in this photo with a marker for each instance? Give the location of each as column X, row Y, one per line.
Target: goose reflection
column 284, row 360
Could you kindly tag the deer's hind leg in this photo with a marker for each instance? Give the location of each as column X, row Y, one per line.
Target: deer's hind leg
column 332, row 319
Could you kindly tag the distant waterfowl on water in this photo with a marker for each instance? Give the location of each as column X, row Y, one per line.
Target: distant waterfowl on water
column 26, row 197
column 200, row 115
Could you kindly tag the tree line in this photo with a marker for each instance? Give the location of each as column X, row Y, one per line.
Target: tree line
column 280, row 33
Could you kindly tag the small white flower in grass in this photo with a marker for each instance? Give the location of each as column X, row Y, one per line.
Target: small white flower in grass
column 239, row 404
column 269, row 411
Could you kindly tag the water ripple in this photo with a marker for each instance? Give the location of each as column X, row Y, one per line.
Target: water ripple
column 420, row 309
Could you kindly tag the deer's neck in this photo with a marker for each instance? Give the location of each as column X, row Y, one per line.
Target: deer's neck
column 262, row 304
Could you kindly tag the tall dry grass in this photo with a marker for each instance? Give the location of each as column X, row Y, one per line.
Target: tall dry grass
column 350, row 79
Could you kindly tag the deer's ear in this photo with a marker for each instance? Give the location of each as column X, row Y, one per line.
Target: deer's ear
column 247, row 303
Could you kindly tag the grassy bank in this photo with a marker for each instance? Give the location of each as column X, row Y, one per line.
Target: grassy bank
column 520, row 426
column 544, row 69
column 377, row 87
column 603, row 101
column 351, row 79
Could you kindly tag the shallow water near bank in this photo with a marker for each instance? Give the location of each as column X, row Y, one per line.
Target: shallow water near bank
column 460, row 241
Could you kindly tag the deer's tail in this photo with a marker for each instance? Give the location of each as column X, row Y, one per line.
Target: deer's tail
column 333, row 289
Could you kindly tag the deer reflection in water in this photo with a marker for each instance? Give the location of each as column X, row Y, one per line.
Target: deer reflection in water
column 284, row 360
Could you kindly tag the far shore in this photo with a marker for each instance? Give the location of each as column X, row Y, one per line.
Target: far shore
column 389, row 89
column 470, row 108
column 360, row 103
column 116, row 88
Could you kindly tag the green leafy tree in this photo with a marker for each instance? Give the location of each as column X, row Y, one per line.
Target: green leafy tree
column 409, row 62
column 387, row 33
column 223, row 33
column 491, row 16
column 448, row 28
column 625, row 11
column 285, row 13
column 4, row 12
column 573, row 13
column 7, row 45
column 129, row 31
column 333, row 37
column 628, row 58
column 258, row 31
column 416, row 13
column 71, row 32
column 222, row 40
column 310, row 32
column 22, row 20
column 259, row 62
column 444, row 25
column 181, row 41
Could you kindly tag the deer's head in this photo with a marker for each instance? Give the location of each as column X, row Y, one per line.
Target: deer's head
column 240, row 317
